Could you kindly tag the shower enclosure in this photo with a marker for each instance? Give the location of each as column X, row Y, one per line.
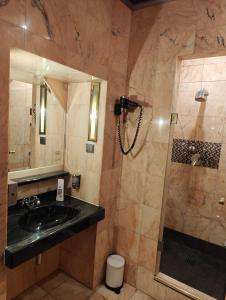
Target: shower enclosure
column 192, row 247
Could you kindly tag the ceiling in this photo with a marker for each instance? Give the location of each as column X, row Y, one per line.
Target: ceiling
column 137, row 4
column 27, row 66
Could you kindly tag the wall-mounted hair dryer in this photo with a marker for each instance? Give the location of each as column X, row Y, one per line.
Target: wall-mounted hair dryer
column 125, row 105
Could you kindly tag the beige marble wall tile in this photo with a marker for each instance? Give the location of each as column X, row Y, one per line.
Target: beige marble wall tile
column 196, row 226
column 110, row 188
column 185, row 128
column 186, row 104
column 159, row 130
column 174, row 41
column 214, row 72
column 150, row 222
column 48, row 185
column 130, row 273
column 14, row 12
column 45, row 48
column 153, row 191
column 104, row 244
column 204, row 179
column 210, row 129
column 128, row 215
column 201, row 203
column 214, row 8
column 28, row 190
column 132, row 188
column 147, row 284
column 127, row 243
column 191, row 73
column 178, row 197
column 147, row 253
column 76, row 113
column 77, row 159
column 120, row 29
column 215, row 232
column 193, row 62
column 157, row 155
column 19, row 117
column 174, row 218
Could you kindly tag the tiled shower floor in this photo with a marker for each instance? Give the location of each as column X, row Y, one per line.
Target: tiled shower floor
column 60, row 286
column 196, row 263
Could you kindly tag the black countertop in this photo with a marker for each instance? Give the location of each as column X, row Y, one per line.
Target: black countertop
column 23, row 245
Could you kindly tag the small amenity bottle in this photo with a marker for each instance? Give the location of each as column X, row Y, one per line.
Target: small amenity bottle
column 60, row 190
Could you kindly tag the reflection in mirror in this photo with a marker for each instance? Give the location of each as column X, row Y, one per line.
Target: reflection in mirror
column 36, row 124
column 43, row 95
column 42, row 112
column 20, row 125
column 94, row 111
column 192, row 254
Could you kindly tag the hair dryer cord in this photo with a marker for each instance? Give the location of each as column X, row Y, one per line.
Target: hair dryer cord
column 125, row 152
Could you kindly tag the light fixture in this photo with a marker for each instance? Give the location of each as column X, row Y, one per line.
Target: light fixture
column 42, row 114
column 93, row 111
column 24, row 26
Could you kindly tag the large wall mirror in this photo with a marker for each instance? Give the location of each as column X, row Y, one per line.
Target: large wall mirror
column 36, row 125
column 43, row 95
column 37, row 113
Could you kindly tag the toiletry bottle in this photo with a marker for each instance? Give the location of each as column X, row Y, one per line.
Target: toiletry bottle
column 60, row 190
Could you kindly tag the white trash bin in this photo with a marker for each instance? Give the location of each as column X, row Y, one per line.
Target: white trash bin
column 115, row 272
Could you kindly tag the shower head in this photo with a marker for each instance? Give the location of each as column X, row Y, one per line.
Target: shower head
column 201, row 95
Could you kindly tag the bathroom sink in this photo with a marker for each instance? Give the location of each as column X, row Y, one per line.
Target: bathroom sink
column 44, row 217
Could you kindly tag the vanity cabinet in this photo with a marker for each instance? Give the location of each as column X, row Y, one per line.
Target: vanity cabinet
column 30, row 272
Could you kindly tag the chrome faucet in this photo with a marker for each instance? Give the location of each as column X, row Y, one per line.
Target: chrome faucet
column 196, row 160
column 31, row 202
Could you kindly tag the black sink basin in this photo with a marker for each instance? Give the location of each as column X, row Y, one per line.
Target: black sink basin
column 44, row 217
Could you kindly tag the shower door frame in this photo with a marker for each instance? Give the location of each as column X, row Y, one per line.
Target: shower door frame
column 158, row 276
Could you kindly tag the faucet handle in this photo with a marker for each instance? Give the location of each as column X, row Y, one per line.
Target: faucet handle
column 36, row 200
column 26, row 202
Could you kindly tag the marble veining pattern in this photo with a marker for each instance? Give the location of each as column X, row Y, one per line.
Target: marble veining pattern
column 41, row 7
column 4, row 2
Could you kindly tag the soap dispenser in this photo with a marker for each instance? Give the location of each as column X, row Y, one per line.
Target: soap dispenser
column 76, row 181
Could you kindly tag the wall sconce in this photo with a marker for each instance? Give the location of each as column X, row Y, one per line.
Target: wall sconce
column 94, row 111
column 42, row 113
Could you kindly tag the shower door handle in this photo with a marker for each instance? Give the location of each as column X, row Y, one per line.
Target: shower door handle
column 12, row 151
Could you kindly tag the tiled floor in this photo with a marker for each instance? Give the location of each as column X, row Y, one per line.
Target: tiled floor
column 60, row 286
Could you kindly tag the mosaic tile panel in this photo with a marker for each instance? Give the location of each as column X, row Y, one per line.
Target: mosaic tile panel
column 209, row 152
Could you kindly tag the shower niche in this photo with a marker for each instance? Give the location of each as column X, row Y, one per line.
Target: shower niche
column 196, row 153
column 192, row 253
